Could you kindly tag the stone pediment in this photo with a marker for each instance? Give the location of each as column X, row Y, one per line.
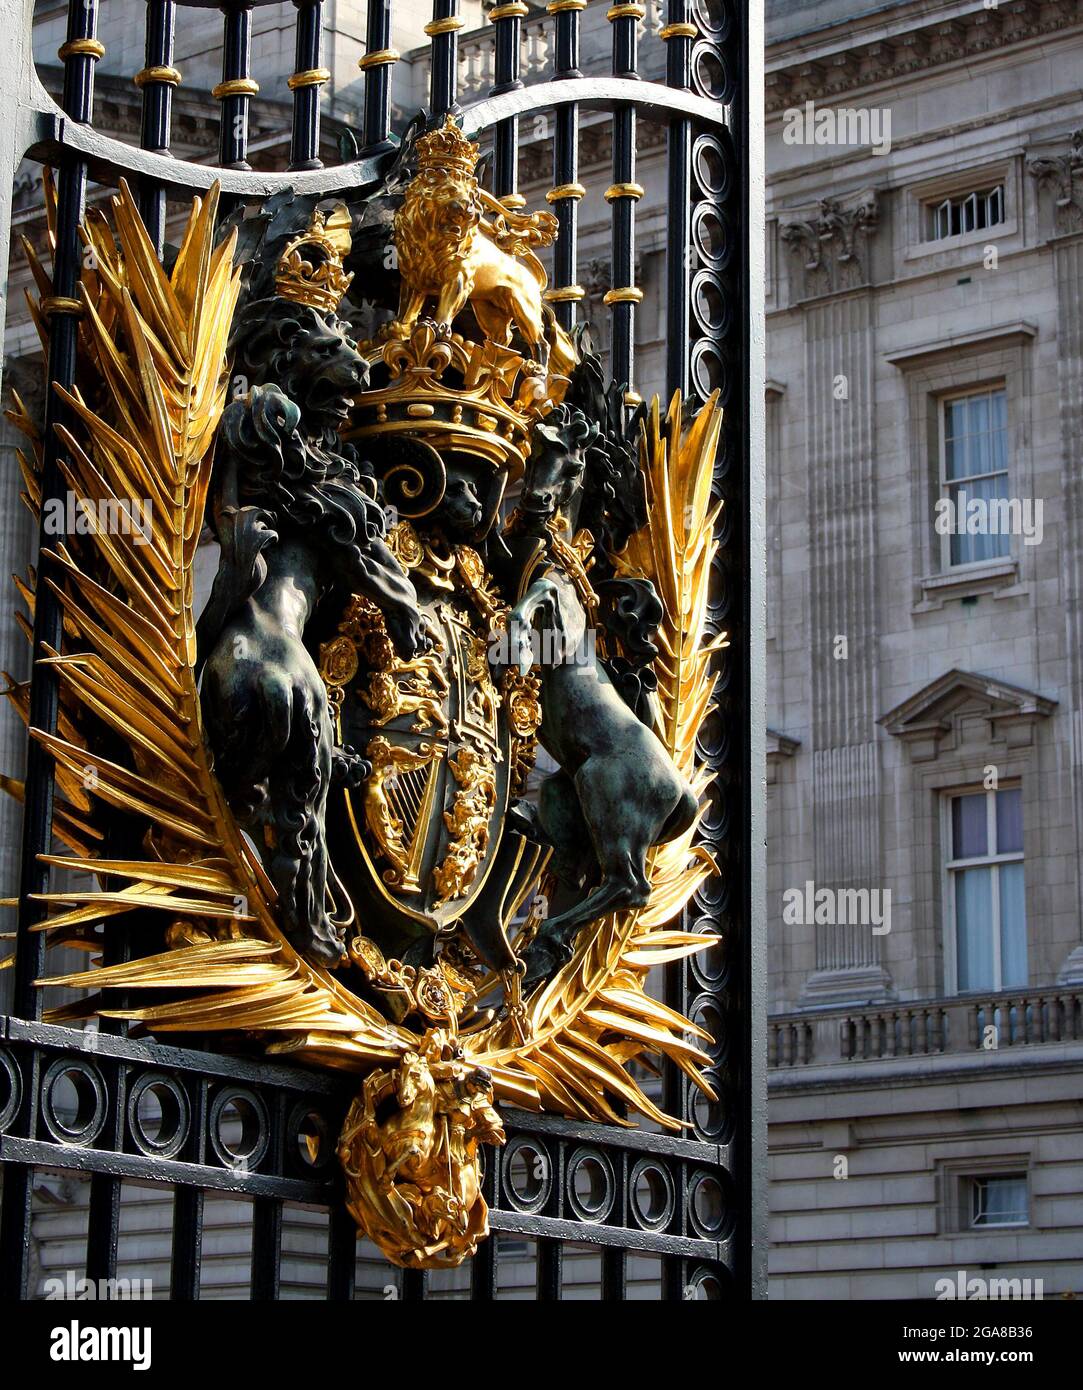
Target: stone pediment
column 959, row 706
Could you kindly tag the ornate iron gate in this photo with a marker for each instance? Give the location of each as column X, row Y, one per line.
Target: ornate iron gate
column 697, row 1201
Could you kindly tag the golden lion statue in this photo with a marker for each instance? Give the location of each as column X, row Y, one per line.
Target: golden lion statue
column 450, row 251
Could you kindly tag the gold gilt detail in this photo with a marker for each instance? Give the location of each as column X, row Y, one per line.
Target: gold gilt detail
column 310, row 268
column 416, row 687
column 386, row 809
column 521, row 698
column 457, row 246
column 414, row 1178
column 468, row 824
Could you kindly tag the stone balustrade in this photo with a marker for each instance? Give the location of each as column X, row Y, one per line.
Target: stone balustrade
column 1015, row 1018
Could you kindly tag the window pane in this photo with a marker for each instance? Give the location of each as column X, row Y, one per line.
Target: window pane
column 1013, row 927
column 998, row 450
column 968, row 826
column 954, row 418
column 978, row 414
column 999, row 1201
column 991, row 539
column 973, row 926
column 1010, row 821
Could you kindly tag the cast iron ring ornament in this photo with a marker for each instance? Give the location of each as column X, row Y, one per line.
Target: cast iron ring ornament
column 329, row 770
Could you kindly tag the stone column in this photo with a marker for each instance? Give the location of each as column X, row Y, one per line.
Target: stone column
column 830, row 252
column 1059, row 179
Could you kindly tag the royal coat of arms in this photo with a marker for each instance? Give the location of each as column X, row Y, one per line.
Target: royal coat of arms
column 444, row 541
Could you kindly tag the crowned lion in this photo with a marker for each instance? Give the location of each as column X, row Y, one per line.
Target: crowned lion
column 450, row 250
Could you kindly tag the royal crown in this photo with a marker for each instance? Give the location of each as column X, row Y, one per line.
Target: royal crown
column 447, row 149
column 475, row 398
column 310, row 269
column 467, row 391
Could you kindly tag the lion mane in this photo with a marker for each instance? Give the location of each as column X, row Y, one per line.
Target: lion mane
column 429, row 256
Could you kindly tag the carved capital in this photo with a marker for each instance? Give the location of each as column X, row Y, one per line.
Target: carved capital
column 830, row 248
column 1061, row 176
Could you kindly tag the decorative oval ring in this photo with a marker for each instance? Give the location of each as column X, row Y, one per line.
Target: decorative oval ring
column 254, row 1128
column 90, row 1101
column 586, row 1210
column 10, row 1107
column 176, row 1115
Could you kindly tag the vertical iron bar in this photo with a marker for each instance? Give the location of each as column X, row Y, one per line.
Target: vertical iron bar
column 483, row 1266
column 567, row 190
column 751, row 1001
column 80, row 51
column 305, row 85
column 508, row 22
column 623, row 295
column 103, row 1226
column 266, row 1249
column 678, row 35
column 62, row 311
column 156, row 81
column 187, row 1245
column 550, row 1270
column 236, row 89
column 614, row 1274
column 103, row 1219
column 376, row 65
column 443, row 31
column 342, row 1255
column 673, row 1279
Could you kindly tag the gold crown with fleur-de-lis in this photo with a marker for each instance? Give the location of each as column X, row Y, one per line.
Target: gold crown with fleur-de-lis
column 447, row 149
column 311, row 268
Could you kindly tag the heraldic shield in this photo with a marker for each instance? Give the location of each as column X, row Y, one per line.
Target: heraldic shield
column 425, row 841
column 339, row 852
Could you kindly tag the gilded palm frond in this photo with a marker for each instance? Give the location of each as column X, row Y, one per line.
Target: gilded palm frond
column 158, row 344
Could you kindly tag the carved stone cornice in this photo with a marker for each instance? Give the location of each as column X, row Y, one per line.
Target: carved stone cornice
column 927, row 45
column 1062, row 176
column 830, row 247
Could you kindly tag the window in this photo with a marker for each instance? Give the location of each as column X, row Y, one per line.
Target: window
column 967, row 212
column 986, row 911
column 974, row 474
column 996, row 1200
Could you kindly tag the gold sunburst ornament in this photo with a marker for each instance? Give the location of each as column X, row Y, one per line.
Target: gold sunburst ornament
column 443, row 739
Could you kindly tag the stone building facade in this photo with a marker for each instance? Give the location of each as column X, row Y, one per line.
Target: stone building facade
column 925, row 236
column 925, row 255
